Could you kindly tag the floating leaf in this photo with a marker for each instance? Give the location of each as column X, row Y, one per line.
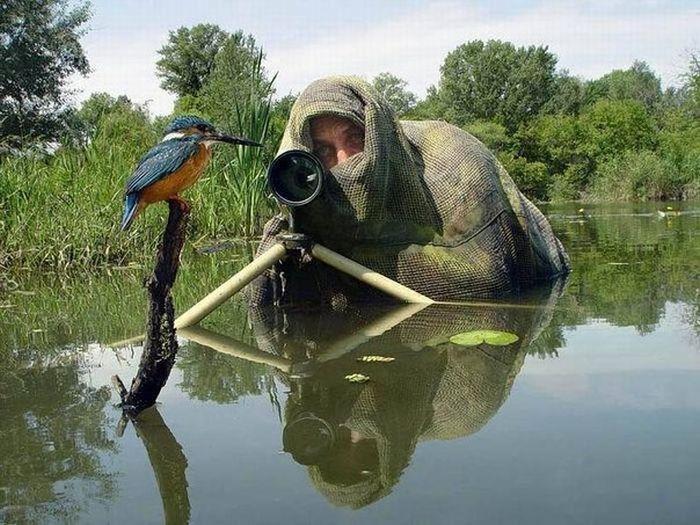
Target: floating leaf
column 357, row 378
column 491, row 337
column 375, row 359
column 437, row 341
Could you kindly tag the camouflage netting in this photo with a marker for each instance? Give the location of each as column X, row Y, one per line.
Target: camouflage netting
column 425, row 203
column 433, row 390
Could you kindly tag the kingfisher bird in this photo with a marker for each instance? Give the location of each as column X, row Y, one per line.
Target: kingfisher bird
column 173, row 165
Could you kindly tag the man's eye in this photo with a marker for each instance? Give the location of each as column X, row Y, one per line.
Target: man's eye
column 323, row 151
column 357, row 138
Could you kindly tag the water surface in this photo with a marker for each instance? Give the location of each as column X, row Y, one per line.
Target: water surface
column 591, row 416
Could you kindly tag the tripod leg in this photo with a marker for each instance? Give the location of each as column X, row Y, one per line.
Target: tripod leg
column 224, row 292
column 364, row 274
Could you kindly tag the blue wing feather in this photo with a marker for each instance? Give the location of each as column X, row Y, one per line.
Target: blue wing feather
column 160, row 161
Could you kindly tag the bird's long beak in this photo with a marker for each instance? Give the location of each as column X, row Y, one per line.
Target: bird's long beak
column 230, row 139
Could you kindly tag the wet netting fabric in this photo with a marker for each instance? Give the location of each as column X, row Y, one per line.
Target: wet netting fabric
column 425, row 204
column 433, row 390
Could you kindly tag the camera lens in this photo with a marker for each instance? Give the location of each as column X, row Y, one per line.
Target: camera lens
column 295, row 177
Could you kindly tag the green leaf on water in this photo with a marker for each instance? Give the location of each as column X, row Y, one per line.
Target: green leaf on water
column 491, row 337
column 357, row 378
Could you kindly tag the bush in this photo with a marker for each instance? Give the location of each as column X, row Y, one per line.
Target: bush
column 567, row 186
column 611, row 127
column 532, row 178
column 690, row 171
column 493, row 135
column 640, row 176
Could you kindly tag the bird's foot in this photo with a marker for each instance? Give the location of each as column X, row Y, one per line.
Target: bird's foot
column 184, row 205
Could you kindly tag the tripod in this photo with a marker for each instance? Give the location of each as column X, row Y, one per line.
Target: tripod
column 288, row 244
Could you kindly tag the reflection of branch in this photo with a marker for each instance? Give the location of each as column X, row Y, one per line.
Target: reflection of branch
column 228, row 345
column 168, row 462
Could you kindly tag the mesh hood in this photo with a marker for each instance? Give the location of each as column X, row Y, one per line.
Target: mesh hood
column 425, row 203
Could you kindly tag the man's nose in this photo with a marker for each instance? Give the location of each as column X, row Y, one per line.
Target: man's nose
column 342, row 154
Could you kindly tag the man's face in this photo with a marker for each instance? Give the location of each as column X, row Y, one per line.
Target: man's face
column 335, row 139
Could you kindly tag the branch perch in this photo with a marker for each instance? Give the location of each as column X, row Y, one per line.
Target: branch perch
column 160, row 347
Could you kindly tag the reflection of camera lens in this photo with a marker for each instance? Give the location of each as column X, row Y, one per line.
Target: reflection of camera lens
column 308, row 438
column 295, row 177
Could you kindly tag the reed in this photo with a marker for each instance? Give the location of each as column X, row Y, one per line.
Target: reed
column 61, row 211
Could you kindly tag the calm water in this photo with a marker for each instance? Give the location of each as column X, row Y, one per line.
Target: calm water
column 592, row 416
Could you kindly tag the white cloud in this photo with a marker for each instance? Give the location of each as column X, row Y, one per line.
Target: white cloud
column 125, row 66
column 590, row 39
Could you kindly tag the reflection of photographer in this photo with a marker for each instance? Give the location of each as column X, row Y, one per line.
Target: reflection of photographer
column 357, row 439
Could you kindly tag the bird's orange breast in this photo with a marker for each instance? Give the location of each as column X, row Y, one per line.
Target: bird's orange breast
column 181, row 179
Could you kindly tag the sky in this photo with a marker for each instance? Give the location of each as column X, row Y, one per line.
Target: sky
column 306, row 40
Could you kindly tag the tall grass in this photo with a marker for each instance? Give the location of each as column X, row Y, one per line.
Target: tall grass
column 643, row 176
column 234, row 197
column 62, row 211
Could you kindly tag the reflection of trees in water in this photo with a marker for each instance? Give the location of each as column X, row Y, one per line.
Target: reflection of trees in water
column 52, row 436
column 208, row 375
column 627, row 267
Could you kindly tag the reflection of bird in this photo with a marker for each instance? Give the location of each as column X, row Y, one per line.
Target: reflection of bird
column 173, row 165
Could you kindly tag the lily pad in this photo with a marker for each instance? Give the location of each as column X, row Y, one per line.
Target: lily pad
column 357, row 378
column 375, row 359
column 477, row 337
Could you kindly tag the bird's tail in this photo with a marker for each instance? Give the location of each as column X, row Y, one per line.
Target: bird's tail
column 131, row 207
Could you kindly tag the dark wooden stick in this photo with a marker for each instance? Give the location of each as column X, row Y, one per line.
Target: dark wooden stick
column 160, row 346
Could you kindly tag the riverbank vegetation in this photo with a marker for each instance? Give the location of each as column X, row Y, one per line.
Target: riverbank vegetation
column 62, row 166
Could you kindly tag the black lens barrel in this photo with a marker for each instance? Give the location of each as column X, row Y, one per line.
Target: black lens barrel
column 296, row 177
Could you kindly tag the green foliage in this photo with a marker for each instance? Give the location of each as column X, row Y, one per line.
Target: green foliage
column 395, row 92
column 496, row 81
column 611, row 127
column 493, row 135
column 567, row 186
column 637, row 176
column 431, row 107
column 637, row 83
column 238, row 72
column 692, row 84
column 115, row 118
column 188, row 58
column 555, row 140
column 39, row 51
column 532, row 178
column 567, row 95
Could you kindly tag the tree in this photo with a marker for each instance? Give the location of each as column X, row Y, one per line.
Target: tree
column 493, row 135
column 610, row 127
column 692, row 84
column 496, row 81
column 394, row 91
column 567, row 95
column 636, row 83
column 554, row 140
column 189, row 57
column 237, row 72
column 430, row 108
column 39, row 50
column 115, row 119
